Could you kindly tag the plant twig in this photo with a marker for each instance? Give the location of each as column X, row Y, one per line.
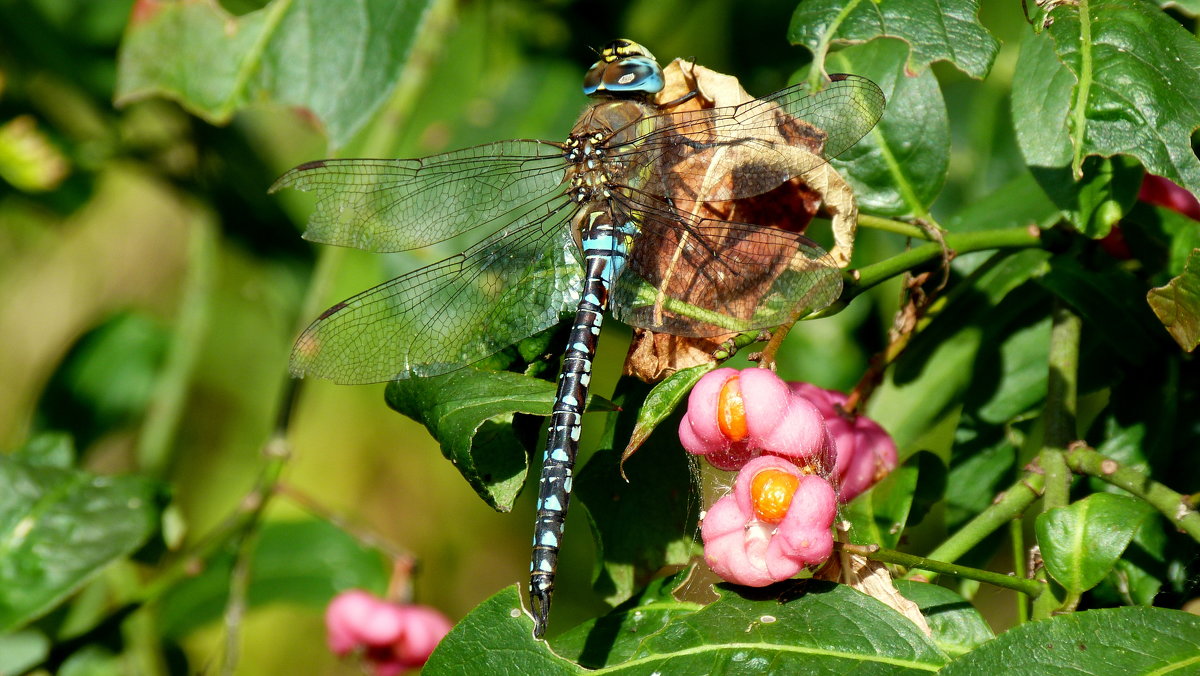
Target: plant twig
column 1008, row 506
column 1178, row 508
column 1028, row 587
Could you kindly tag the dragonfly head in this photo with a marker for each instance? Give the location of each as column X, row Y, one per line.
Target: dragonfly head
column 625, row 69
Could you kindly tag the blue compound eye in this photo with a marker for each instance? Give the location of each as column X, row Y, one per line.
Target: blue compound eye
column 624, row 68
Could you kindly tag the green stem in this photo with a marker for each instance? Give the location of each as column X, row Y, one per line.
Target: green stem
column 889, row 225
column 1178, row 508
column 1010, row 505
column 1008, row 238
column 1016, row 535
column 170, row 392
column 1028, row 587
column 1059, row 412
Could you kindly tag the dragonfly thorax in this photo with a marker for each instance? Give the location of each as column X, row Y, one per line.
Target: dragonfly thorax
column 598, row 147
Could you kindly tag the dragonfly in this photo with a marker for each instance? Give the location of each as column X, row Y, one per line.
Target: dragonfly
column 589, row 225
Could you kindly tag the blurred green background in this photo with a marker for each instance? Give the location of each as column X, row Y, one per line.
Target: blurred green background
column 150, row 289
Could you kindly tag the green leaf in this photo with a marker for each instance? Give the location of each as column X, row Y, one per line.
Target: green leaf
column 1161, row 237
column 1011, row 376
column 332, row 561
column 470, row 413
column 60, row 527
column 49, row 449
column 1017, row 203
column 1109, row 641
column 653, row 607
column 661, row 402
column 339, row 61
column 983, row 464
column 1081, row 542
column 933, row 30
column 957, row 627
column 1110, row 300
column 1127, row 83
column 932, row 374
column 22, row 650
column 899, row 168
column 879, row 515
column 1177, row 304
column 810, row 627
column 658, row 496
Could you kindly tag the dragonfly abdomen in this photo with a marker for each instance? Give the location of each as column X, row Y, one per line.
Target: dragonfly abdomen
column 605, row 249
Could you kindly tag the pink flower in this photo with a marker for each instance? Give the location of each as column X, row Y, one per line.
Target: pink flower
column 734, row 416
column 775, row 522
column 865, row 452
column 392, row 637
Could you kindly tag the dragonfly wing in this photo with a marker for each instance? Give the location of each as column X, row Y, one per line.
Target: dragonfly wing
column 397, row 205
column 720, row 154
column 452, row 313
column 701, row 277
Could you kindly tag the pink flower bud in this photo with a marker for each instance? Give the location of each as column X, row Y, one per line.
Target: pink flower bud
column 742, row 547
column 733, row 416
column 392, row 637
column 865, row 452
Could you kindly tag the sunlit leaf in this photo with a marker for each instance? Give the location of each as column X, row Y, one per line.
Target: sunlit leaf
column 899, row 168
column 340, row 61
column 1081, row 542
column 812, row 627
column 933, row 31
column 60, row 527
column 1109, row 641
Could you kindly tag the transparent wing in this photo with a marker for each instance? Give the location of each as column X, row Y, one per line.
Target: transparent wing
column 397, row 205
column 452, row 313
column 691, row 276
column 729, row 153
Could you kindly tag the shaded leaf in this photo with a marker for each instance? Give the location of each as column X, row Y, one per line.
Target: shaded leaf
column 642, row 522
column 470, row 413
column 1109, row 641
column 983, row 464
column 59, row 527
column 1081, row 542
column 934, row 371
column 1109, row 300
column 879, row 515
column 899, row 168
column 933, row 31
column 214, row 63
column 1019, row 202
column 1177, row 304
column 332, row 561
column 957, row 627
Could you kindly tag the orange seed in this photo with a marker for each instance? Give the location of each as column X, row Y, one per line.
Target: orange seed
column 731, row 410
column 771, row 493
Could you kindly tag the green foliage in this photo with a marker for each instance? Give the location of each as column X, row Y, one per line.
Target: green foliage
column 817, row 627
column 60, row 527
column 471, row 414
column 153, row 289
column 214, row 63
column 1126, row 640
